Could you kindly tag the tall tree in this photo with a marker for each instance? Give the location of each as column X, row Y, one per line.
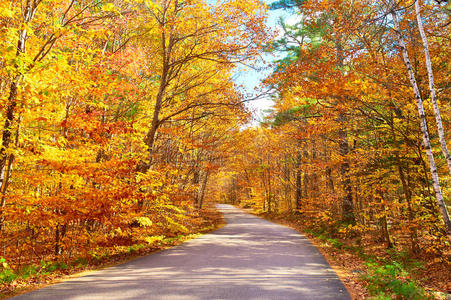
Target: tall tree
column 194, row 51
column 423, row 122
column 428, row 63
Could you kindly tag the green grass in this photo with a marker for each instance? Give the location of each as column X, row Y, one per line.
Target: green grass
column 388, row 277
column 8, row 275
column 135, row 248
column 388, row 281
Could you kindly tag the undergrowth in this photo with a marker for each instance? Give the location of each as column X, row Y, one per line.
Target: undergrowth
column 388, row 277
column 8, row 275
column 392, row 281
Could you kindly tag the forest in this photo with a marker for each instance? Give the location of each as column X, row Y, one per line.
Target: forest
column 122, row 123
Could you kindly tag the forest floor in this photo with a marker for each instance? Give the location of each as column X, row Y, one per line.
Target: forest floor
column 353, row 267
column 210, row 219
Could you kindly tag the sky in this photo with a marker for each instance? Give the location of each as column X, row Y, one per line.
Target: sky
column 250, row 79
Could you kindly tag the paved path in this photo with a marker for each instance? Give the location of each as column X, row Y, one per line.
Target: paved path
column 249, row 258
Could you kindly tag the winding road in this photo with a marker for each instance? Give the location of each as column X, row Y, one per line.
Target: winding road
column 249, row 258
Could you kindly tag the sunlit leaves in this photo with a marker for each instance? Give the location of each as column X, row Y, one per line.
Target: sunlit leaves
column 87, row 73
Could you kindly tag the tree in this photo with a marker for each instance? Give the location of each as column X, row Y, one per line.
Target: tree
column 85, row 84
column 345, row 113
column 423, row 122
column 194, row 50
column 21, row 59
column 428, row 63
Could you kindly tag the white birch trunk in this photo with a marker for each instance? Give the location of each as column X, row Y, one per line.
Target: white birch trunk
column 424, row 128
column 438, row 118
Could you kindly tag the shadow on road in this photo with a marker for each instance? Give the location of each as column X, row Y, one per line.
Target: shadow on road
column 249, row 258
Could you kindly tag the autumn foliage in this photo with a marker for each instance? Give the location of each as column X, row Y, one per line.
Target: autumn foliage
column 344, row 147
column 112, row 115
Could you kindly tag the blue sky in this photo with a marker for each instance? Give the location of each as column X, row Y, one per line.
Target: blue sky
column 251, row 79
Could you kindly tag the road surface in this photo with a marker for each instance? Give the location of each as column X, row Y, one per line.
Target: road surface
column 249, row 258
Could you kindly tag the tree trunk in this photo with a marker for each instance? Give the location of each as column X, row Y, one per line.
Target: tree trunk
column 149, row 140
column 5, row 168
column 346, row 200
column 438, row 118
column 330, row 180
column 298, row 180
column 28, row 12
column 196, row 179
column 4, row 188
column 408, row 196
column 269, row 190
column 424, row 128
column 383, row 222
column 166, row 47
column 202, row 189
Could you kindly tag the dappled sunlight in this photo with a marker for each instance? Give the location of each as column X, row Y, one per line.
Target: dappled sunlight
column 249, row 258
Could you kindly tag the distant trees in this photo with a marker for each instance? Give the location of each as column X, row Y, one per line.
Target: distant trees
column 350, row 117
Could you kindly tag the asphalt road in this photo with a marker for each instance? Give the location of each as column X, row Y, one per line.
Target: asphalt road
column 249, row 258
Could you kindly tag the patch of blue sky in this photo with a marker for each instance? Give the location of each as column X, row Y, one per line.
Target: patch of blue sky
column 249, row 79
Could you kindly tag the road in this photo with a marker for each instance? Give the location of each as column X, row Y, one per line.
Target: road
column 249, row 258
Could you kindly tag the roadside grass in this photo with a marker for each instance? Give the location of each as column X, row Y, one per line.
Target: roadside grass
column 8, row 275
column 392, row 281
column 391, row 276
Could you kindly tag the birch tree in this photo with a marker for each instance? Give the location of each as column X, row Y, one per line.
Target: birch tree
column 423, row 121
column 438, row 118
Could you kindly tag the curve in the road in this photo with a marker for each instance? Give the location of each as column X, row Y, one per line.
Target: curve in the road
column 249, row 258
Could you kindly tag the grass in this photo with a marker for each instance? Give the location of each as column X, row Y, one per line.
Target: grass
column 392, row 281
column 8, row 275
column 387, row 277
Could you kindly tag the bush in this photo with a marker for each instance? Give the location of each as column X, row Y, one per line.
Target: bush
column 28, row 271
column 81, row 262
